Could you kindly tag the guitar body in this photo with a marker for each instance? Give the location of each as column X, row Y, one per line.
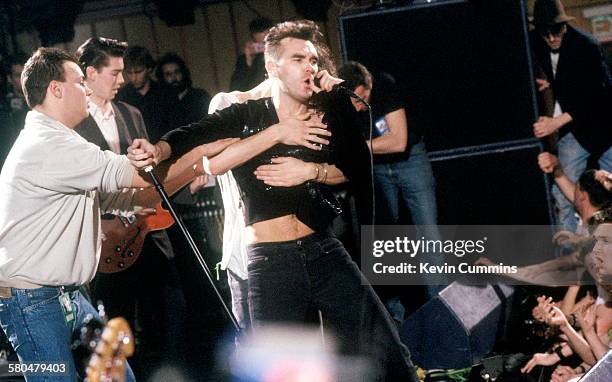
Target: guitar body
column 123, row 238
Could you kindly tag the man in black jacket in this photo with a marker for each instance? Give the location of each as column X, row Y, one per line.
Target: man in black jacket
column 581, row 83
column 157, row 101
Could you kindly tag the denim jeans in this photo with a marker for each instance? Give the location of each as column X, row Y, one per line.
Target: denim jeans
column 34, row 323
column 573, row 159
column 289, row 279
column 411, row 180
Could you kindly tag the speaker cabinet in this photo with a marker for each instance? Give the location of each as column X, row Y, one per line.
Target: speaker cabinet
column 456, row 328
column 463, row 66
column 498, row 186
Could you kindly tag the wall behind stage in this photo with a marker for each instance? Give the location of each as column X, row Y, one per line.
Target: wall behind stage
column 210, row 46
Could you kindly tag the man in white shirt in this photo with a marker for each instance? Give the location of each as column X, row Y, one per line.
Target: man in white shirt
column 50, row 213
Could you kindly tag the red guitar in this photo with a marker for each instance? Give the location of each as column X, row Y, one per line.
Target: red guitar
column 123, row 238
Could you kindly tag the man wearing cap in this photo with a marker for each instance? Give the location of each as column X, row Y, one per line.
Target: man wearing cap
column 581, row 83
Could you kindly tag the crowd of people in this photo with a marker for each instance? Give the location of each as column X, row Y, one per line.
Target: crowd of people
column 79, row 128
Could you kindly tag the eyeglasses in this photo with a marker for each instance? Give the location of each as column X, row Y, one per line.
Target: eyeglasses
column 554, row 31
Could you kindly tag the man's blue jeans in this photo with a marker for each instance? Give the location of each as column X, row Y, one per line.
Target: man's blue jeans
column 411, row 180
column 573, row 159
column 34, row 323
column 289, row 279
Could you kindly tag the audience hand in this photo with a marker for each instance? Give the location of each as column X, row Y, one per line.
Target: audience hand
column 539, row 311
column 586, row 318
column 566, row 237
column 586, row 301
column 484, row 261
column 198, row 183
column 251, row 49
column 547, row 162
column 563, row 374
column 605, row 178
column 555, row 317
column 540, row 359
column 545, row 126
column 542, row 84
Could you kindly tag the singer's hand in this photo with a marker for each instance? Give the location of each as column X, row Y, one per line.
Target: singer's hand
column 286, row 172
column 302, row 130
column 325, row 80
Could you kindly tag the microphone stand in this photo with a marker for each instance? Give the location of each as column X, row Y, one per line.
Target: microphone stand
column 194, row 248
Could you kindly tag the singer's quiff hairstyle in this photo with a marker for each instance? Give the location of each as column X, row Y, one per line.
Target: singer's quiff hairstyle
column 304, row 30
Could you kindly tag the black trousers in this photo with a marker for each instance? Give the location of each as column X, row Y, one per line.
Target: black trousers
column 289, row 279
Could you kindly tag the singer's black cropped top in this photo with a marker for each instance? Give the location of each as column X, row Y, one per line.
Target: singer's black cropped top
column 310, row 202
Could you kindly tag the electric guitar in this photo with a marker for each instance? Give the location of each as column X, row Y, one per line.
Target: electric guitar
column 123, row 238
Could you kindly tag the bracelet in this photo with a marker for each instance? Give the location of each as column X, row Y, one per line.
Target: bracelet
column 559, row 352
column 317, row 171
column 573, row 320
column 324, row 173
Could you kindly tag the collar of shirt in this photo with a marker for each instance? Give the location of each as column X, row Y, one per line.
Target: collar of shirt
column 97, row 113
column 35, row 118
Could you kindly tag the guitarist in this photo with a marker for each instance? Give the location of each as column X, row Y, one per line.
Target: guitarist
column 112, row 126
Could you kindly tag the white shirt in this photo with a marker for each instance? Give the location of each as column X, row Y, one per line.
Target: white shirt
column 107, row 124
column 234, row 235
column 50, row 205
column 554, row 61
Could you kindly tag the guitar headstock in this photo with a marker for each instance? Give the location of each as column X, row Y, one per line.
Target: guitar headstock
column 108, row 362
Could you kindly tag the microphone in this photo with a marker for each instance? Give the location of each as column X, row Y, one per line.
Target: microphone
column 339, row 88
column 344, row 90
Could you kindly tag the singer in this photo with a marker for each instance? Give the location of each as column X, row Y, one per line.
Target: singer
column 293, row 145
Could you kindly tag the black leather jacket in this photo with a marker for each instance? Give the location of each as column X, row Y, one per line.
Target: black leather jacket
column 312, row 203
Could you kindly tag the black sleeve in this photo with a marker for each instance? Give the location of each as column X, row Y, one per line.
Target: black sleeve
column 591, row 95
column 170, row 114
column 226, row 123
column 351, row 154
column 387, row 95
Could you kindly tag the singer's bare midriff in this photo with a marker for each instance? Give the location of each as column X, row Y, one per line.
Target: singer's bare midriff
column 283, row 228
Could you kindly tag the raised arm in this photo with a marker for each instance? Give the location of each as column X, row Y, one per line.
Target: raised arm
column 289, row 172
column 300, row 130
column 168, row 171
column 550, row 164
